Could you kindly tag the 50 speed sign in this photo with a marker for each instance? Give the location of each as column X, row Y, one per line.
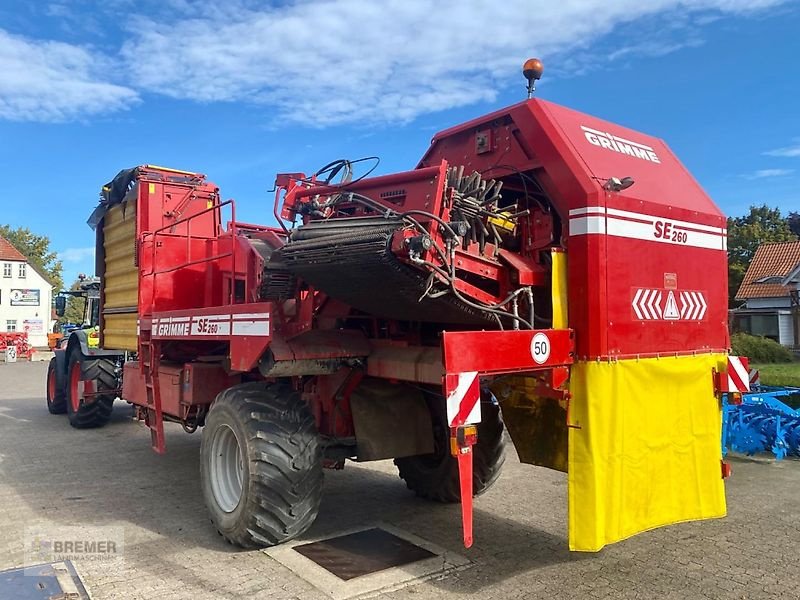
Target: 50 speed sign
column 540, row 348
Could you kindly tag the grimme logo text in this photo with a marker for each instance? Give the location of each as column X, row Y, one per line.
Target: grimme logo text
column 618, row 144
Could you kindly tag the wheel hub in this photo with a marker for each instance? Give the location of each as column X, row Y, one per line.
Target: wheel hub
column 51, row 386
column 83, row 391
column 227, row 468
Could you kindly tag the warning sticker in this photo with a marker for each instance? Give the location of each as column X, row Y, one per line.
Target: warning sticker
column 649, row 304
column 671, row 309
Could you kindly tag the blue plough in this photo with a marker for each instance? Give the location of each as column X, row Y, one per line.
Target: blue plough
column 762, row 422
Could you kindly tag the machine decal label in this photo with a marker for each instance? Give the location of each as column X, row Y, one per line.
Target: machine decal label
column 671, row 309
column 463, row 398
column 663, row 305
column 212, row 325
column 640, row 226
column 617, row 144
column 694, row 306
column 540, row 348
column 256, row 324
column 738, row 374
column 173, row 328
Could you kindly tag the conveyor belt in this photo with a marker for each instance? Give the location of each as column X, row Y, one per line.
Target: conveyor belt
column 351, row 260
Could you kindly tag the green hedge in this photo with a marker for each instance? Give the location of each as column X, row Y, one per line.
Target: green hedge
column 759, row 349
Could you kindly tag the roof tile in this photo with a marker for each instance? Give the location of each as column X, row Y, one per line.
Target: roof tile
column 776, row 259
column 9, row 252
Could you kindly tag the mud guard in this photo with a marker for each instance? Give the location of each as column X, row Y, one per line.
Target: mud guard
column 642, row 457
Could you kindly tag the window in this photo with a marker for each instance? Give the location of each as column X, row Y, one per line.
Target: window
column 11, row 325
column 770, row 279
column 764, row 325
column 6, row 269
column 22, row 270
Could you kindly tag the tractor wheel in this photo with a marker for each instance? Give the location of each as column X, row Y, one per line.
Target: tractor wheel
column 435, row 476
column 261, row 464
column 85, row 377
column 56, row 394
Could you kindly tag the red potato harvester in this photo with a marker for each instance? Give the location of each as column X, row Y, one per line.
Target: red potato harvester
column 539, row 263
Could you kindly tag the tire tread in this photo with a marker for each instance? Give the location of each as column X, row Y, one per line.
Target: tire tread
column 285, row 460
column 97, row 413
column 58, row 404
column 441, row 483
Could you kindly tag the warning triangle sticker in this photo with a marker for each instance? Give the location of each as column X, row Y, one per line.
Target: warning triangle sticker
column 671, row 309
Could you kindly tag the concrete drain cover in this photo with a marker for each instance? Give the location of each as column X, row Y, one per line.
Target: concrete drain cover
column 356, row 554
column 51, row 581
column 364, row 562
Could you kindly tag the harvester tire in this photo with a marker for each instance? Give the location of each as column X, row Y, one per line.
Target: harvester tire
column 56, row 392
column 261, row 464
column 89, row 375
column 435, row 476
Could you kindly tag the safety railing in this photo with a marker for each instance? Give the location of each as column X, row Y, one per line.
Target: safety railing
column 154, row 272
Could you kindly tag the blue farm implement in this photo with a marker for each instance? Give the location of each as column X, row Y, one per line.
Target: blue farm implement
column 762, row 422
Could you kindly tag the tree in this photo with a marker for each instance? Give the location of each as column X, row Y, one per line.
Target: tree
column 794, row 222
column 746, row 234
column 36, row 249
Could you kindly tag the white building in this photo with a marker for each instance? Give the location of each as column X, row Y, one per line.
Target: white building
column 25, row 296
column 771, row 294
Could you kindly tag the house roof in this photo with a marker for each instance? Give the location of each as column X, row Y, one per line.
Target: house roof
column 9, row 252
column 768, row 269
column 793, row 276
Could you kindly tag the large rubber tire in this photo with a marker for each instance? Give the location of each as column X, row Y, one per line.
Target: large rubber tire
column 435, row 476
column 271, row 491
column 56, row 392
column 94, row 373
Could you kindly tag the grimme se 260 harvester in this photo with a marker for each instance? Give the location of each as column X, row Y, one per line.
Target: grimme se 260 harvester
column 538, row 262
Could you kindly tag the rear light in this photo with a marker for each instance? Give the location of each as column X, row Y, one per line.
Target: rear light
column 463, row 438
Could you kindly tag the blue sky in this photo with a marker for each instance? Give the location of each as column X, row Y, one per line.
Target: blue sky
column 244, row 89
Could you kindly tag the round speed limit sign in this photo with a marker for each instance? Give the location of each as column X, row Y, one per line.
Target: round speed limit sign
column 540, row 348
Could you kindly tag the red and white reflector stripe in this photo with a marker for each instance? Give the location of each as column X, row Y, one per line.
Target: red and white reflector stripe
column 463, row 391
column 738, row 374
column 755, row 378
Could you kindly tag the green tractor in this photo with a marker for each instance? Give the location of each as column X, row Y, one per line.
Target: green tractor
column 67, row 384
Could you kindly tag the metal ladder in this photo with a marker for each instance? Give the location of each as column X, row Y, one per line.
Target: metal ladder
column 149, row 359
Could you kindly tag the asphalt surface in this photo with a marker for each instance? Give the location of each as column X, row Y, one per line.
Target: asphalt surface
column 51, row 475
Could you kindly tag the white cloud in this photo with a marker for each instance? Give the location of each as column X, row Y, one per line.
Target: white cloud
column 787, row 151
column 323, row 62
column 54, row 81
column 765, row 173
column 653, row 48
column 77, row 254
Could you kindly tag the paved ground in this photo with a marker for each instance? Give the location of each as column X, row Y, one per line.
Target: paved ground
column 51, row 474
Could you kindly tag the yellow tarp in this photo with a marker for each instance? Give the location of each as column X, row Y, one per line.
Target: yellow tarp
column 644, row 447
